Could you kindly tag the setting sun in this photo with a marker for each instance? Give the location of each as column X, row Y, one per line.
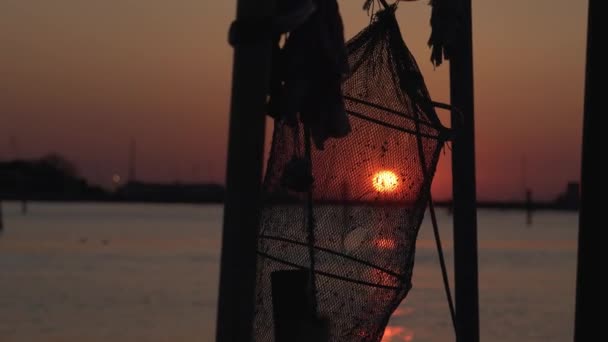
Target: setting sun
column 385, row 181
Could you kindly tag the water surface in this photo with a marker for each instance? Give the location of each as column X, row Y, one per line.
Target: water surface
column 134, row 272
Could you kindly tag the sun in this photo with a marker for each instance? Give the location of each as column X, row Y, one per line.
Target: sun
column 385, row 181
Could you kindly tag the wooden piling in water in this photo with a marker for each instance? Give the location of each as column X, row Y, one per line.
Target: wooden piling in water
column 250, row 82
column 463, row 180
column 590, row 293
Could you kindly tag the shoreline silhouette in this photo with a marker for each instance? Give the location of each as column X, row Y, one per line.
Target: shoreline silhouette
column 54, row 179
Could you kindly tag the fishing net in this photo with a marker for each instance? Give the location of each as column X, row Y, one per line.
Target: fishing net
column 349, row 214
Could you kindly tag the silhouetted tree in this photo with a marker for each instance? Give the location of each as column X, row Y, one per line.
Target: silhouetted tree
column 61, row 164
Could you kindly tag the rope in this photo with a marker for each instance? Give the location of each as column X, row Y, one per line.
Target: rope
column 401, row 114
column 444, row 272
column 327, row 250
column 386, row 124
column 335, row 276
column 310, row 224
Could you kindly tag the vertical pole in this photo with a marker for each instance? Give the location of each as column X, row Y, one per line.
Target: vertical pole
column 132, row 160
column 463, row 175
column 529, row 206
column 592, row 172
column 310, row 225
column 250, row 81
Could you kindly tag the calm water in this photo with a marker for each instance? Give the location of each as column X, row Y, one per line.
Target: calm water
column 126, row 272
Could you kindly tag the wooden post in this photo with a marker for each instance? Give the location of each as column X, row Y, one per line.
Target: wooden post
column 250, row 81
column 463, row 177
column 590, row 243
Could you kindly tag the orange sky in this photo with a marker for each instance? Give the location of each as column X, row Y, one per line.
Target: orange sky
column 82, row 77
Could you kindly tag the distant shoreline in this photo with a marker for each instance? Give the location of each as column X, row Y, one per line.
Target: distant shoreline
column 54, row 179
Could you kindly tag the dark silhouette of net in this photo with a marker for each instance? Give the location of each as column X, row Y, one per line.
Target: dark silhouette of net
column 354, row 223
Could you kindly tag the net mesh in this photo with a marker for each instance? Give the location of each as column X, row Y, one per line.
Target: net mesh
column 356, row 228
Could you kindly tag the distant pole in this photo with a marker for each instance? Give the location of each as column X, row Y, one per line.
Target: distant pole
column 23, row 187
column 250, row 82
column 463, row 179
column 529, row 206
column 132, row 160
column 593, row 170
column 524, row 180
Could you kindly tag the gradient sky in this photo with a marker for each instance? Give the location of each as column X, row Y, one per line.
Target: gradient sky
column 83, row 77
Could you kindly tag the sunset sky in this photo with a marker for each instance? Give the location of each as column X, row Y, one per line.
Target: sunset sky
column 83, row 77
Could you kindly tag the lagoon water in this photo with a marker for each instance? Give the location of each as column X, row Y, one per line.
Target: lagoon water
column 75, row 272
